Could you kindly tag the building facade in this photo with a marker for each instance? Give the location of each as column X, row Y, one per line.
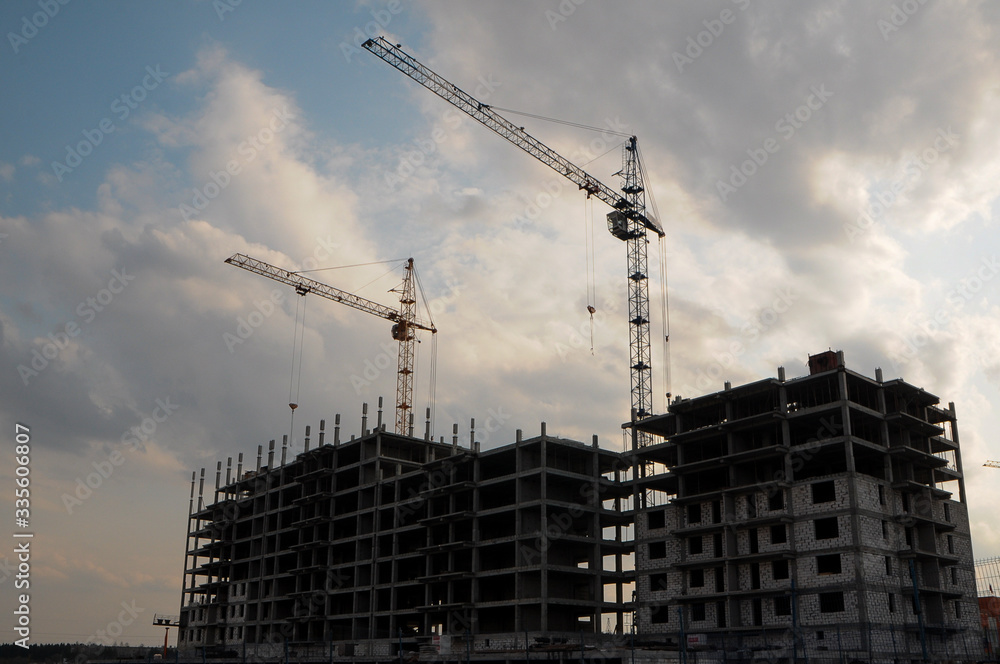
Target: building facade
column 818, row 518
column 386, row 542
column 821, row 514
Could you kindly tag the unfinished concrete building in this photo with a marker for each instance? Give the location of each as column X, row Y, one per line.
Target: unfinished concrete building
column 821, row 516
column 384, row 542
column 818, row 518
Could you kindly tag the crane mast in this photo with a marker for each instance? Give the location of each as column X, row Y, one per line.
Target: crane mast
column 638, row 283
column 404, row 331
column 405, row 321
column 628, row 221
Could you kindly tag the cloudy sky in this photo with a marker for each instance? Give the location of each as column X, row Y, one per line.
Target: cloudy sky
column 826, row 173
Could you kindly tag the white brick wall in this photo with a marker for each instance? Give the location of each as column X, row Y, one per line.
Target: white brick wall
column 809, row 613
column 764, row 539
column 705, row 509
column 809, row 577
column 768, row 615
column 801, row 536
column 959, row 516
column 709, row 621
column 867, row 489
column 767, row 580
column 802, row 497
column 805, row 539
column 873, row 565
column 707, row 588
column 871, row 532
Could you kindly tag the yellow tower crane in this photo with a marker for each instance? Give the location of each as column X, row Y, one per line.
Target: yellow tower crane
column 405, row 321
column 628, row 221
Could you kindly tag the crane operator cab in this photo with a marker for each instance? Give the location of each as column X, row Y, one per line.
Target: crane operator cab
column 618, row 225
column 402, row 332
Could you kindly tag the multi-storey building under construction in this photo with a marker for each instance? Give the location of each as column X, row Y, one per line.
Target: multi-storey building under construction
column 385, row 541
column 820, row 518
column 821, row 514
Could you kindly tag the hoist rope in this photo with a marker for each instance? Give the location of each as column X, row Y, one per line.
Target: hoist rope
column 432, row 387
column 295, row 345
column 433, row 382
column 298, row 338
column 665, row 322
column 302, row 338
column 588, row 230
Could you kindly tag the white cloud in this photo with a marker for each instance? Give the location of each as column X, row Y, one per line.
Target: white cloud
column 772, row 270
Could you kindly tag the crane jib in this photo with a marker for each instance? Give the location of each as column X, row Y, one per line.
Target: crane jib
column 404, row 319
column 485, row 115
column 300, row 284
column 627, row 221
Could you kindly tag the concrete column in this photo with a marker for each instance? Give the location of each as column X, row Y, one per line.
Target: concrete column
column 543, row 464
column 958, row 452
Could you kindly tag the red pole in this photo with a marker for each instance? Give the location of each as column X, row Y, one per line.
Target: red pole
column 166, row 635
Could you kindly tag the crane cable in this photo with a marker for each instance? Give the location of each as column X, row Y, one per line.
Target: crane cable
column 432, row 387
column 588, row 231
column 298, row 338
column 665, row 321
column 588, row 210
column 302, row 339
column 433, row 383
column 341, row 267
column 664, row 293
column 604, row 130
column 389, row 271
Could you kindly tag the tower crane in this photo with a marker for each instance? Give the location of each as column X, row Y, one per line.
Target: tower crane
column 405, row 321
column 992, row 464
column 628, row 220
